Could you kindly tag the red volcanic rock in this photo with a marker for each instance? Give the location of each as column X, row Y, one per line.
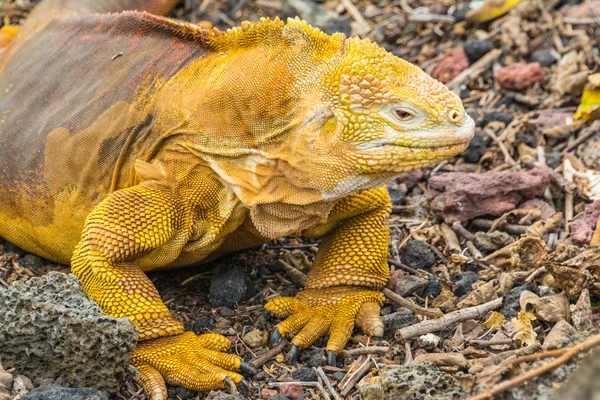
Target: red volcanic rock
column 453, row 63
column 457, row 196
column 582, row 227
column 520, row 76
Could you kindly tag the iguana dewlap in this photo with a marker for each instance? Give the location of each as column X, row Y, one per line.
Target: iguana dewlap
column 130, row 142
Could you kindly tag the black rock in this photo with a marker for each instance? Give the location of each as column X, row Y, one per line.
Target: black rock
column 464, row 284
column 510, row 306
column 545, row 57
column 54, row 392
column 416, row 254
column 316, row 360
column 203, row 323
column 398, row 320
column 339, row 376
column 476, row 149
column 304, row 374
column 397, row 195
column 476, row 49
column 505, row 117
column 433, row 288
column 305, row 395
column 13, row 248
column 230, row 286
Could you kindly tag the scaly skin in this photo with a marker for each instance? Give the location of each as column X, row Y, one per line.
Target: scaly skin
column 131, row 142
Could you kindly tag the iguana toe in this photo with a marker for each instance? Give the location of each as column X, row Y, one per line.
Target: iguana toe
column 190, row 361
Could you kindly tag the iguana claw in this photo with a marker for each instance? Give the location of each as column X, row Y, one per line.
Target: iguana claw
column 331, row 358
column 294, row 355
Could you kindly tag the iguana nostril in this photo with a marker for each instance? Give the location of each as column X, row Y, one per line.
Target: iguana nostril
column 454, row 116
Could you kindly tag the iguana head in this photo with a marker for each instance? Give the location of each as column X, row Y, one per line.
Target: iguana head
column 288, row 114
column 379, row 116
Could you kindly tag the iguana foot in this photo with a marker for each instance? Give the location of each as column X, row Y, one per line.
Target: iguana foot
column 195, row 362
column 316, row 312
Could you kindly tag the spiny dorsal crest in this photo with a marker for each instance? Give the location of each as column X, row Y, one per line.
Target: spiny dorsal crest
column 269, row 32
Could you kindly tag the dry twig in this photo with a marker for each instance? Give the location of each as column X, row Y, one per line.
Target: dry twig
column 436, row 325
column 520, row 379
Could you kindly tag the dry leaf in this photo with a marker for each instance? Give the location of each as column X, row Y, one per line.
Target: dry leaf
column 571, row 279
column 495, row 321
column 561, row 331
column 582, row 313
column 524, row 332
column 488, row 291
column 527, row 252
column 550, row 308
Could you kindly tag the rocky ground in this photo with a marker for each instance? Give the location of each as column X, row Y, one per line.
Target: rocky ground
column 502, row 241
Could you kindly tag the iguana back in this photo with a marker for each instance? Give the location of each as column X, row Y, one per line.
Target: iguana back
column 69, row 129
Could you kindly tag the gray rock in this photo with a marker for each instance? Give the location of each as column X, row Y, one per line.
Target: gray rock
column 51, row 331
column 464, row 285
column 317, row 15
column 416, row 254
column 279, row 396
column 371, row 391
column 304, row 374
column 230, row 286
column 397, row 195
column 398, row 320
column 419, row 380
column 219, row 395
column 53, row 392
column 410, row 284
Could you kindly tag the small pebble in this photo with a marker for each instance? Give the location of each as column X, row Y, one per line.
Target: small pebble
column 428, row 341
column 520, row 76
column 410, row 284
column 476, row 49
column 338, row 376
column 253, row 338
column 545, row 57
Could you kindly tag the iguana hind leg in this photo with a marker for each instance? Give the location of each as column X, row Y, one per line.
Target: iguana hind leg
column 152, row 224
column 343, row 286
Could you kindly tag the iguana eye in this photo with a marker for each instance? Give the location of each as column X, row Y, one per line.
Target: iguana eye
column 404, row 115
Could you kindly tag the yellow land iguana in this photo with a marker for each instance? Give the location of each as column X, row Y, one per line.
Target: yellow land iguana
column 131, row 142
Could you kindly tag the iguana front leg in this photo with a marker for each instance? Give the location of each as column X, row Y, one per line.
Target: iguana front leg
column 344, row 284
column 148, row 225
